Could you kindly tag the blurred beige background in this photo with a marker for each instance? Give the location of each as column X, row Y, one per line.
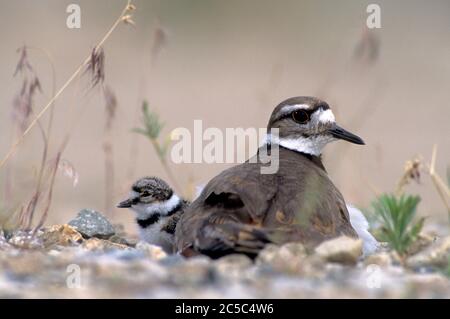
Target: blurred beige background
column 229, row 63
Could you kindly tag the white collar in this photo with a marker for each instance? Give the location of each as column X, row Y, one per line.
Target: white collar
column 311, row 145
column 144, row 211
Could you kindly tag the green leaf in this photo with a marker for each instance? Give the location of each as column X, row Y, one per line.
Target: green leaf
column 396, row 215
column 417, row 228
column 152, row 125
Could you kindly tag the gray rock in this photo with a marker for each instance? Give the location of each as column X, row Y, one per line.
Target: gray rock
column 436, row 255
column 91, row 223
column 343, row 250
column 286, row 258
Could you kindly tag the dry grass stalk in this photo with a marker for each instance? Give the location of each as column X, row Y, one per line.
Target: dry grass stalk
column 94, row 64
column 53, row 70
column 412, row 172
column 441, row 188
column 110, row 112
column 96, row 69
column 23, row 102
column 50, row 193
column 35, row 198
column 23, row 107
column 126, row 11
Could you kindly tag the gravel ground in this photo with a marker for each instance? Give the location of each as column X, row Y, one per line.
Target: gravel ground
column 60, row 262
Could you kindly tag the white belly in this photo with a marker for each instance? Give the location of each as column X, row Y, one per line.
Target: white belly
column 153, row 235
column 361, row 226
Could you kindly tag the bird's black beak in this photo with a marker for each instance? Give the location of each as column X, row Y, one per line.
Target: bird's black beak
column 338, row 132
column 127, row 203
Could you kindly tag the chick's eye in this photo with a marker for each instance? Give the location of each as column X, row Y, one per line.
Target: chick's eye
column 300, row 116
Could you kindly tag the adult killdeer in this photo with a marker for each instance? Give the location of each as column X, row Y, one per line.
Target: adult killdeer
column 157, row 209
column 240, row 210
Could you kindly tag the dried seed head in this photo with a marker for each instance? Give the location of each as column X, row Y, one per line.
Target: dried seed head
column 23, row 64
column 23, row 101
column 96, row 66
column 128, row 20
column 412, row 169
column 411, row 173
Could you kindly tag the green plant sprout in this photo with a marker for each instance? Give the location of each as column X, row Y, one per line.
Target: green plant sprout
column 396, row 215
column 152, row 130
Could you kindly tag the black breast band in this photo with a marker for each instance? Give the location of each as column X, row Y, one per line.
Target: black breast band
column 144, row 223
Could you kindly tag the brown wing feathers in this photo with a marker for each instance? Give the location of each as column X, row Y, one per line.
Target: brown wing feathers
column 217, row 240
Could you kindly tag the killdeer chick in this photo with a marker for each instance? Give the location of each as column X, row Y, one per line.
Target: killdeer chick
column 157, row 209
column 241, row 210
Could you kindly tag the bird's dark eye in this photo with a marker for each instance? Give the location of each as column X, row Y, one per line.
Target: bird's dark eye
column 300, row 116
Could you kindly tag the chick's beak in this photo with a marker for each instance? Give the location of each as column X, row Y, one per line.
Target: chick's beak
column 127, row 203
column 340, row 133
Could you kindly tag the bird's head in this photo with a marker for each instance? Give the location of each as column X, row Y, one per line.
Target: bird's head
column 306, row 124
column 150, row 195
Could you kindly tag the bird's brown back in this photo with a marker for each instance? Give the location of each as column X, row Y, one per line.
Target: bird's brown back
column 298, row 203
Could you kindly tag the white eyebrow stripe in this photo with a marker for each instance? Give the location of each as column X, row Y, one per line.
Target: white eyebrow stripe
column 287, row 109
column 290, row 108
column 326, row 116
